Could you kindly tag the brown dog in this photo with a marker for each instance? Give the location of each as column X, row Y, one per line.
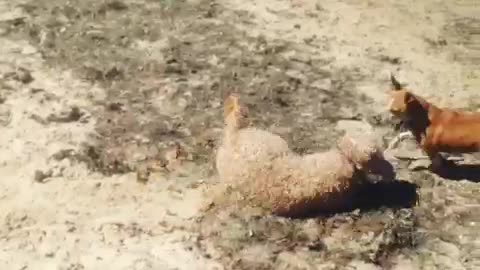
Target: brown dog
column 435, row 129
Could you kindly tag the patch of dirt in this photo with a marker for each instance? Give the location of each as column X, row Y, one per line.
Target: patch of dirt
column 166, row 78
column 91, row 91
column 246, row 238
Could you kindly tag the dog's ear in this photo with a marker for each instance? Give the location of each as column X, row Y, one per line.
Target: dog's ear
column 410, row 98
column 395, row 83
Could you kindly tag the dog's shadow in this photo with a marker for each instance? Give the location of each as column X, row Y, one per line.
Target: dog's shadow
column 375, row 195
column 457, row 172
column 391, row 194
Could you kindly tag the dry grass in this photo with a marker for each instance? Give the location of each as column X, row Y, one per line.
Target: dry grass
column 167, row 65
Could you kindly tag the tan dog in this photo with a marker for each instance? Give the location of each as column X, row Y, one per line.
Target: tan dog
column 261, row 170
column 435, row 129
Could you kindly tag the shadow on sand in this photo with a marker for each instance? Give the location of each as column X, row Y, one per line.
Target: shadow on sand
column 457, row 172
column 372, row 195
column 392, row 194
column 395, row 194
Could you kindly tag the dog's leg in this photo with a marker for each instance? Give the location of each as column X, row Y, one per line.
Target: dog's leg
column 438, row 162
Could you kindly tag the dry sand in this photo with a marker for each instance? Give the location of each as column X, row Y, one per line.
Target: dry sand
column 146, row 73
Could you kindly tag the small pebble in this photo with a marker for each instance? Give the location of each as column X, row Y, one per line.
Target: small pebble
column 421, row 164
column 40, row 176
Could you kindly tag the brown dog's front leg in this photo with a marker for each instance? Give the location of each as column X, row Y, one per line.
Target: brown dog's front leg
column 439, row 163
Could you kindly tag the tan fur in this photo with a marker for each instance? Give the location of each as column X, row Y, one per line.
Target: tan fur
column 435, row 129
column 235, row 115
column 242, row 146
column 262, row 171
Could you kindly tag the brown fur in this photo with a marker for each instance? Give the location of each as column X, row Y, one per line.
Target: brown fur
column 435, row 129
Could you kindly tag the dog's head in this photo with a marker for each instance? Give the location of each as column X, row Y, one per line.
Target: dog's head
column 399, row 99
column 404, row 104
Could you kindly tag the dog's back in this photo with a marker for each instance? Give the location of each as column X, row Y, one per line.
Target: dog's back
column 455, row 131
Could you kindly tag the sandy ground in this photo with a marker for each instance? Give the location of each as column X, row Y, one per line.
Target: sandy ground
column 91, row 91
